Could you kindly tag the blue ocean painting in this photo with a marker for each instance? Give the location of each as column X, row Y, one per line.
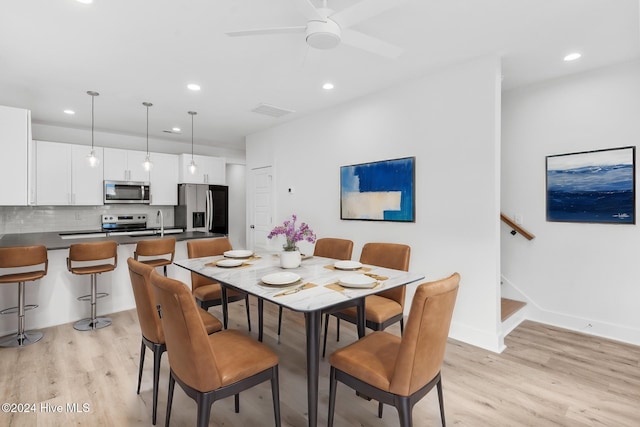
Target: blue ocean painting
column 596, row 186
column 381, row 191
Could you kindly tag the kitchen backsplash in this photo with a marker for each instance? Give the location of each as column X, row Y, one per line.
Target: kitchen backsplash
column 32, row 219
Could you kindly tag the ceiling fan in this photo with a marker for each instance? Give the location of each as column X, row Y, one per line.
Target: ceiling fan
column 326, row 29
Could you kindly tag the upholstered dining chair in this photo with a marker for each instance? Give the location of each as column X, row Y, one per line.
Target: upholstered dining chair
column 206, row 291
column 400, row 371
column 150, row 325
column 156, row 252
column 328, row 247
column 385, row 308
column 209, row 368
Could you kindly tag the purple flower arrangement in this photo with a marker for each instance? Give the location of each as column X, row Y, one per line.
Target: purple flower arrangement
column 292, row 234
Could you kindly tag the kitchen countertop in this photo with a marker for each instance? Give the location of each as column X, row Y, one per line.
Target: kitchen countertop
column 52, row 239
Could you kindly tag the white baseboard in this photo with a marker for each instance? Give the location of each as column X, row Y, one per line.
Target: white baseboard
column 574, row 323
column 476, row 337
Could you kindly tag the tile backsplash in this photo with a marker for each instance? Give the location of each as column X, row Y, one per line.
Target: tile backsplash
column 32, row 219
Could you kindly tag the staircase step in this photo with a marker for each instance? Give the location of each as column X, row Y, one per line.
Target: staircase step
column 509, row 306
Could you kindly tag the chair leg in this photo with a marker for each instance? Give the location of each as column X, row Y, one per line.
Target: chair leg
column 326, row 332
column 157, row 358
column 164, row 267
column 204, row 410
column 172, row 385
column 279, row 321
column 332, row 396
column 246, row 302
column 441, row 400
column 275, row 392
column 404, row 411
column 380, row 407
column 143, row 349
column 401, row 326
column 337, row 329
column 236, row 400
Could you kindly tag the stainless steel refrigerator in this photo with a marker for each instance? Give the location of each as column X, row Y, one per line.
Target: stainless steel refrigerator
column 203, row 207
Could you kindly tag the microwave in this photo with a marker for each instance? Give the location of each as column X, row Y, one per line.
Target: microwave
column 126, row 192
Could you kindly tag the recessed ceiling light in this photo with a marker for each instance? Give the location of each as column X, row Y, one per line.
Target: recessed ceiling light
column 327, row 86
column 193, row 86
column 85, row 1
column 176, row 129
column 572, row 56
column 69, row 112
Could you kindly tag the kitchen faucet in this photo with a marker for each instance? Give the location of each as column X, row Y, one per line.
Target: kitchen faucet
column 159, row 214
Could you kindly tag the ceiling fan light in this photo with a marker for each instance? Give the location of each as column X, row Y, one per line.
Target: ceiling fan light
column 323, row 35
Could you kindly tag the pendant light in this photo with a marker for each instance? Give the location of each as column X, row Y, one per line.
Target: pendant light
column 192, row 165
column 147, row 160
column 92, row 158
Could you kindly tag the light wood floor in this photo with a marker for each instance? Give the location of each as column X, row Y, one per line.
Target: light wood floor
column 545, row 377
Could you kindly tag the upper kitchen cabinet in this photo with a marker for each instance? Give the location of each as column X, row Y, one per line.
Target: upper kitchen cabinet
column 164, row 179
column 15, row 137
column 64, row 176
column 124, row 165
column 210, row 170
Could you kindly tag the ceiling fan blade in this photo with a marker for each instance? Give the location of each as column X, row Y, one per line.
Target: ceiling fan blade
column 370, row 44
column 267, row 31
column 308, row 10
column 362, row 11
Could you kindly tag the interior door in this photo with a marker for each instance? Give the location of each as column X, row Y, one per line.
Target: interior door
column 260, row 208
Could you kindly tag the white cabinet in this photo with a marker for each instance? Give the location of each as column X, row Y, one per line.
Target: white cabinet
column 64, row 176
column 124, row 165
column 163, row 179
column 15, row 134
column 210, row 170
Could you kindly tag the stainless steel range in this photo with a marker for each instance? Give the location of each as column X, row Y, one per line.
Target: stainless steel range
column 125, row 224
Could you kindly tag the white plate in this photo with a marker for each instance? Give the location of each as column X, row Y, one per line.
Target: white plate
column 229, row 263
column 284, row 278
column 357, row 281
column 347, row 265
column 238, row 253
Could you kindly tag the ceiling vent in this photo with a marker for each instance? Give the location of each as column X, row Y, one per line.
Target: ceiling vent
column 271, row 110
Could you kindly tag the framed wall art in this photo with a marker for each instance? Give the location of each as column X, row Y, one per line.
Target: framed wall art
column 378, row 191
column 592, row 186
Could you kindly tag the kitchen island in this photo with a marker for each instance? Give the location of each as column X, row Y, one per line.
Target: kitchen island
column 57, row 292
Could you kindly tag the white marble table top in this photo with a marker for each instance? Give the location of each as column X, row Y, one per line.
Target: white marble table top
column 314, row 270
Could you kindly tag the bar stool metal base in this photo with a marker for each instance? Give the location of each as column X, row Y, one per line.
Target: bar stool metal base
column 21, row 340
column 91, row 324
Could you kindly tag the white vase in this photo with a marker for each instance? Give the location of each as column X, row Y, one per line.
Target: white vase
column 290, row 259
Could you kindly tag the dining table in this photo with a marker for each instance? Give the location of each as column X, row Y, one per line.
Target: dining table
column 319, row 285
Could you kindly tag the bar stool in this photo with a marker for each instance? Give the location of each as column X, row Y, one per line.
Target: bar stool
column 21, row 257
column 160, row 249
column 93, row 252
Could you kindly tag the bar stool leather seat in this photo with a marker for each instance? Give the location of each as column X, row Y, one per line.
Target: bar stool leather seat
column 162, row 251
column 98, row 252
column 22, row 257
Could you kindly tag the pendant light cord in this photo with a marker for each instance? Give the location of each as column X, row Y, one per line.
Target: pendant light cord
column 92, row 100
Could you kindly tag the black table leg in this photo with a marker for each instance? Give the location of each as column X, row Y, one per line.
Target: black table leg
column 360, row 317
column 260, row 321
column 312, row 325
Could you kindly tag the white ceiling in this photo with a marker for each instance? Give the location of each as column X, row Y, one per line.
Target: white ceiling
column 53, row 51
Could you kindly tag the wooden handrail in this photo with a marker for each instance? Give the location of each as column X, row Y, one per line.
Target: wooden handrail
column 516, row 227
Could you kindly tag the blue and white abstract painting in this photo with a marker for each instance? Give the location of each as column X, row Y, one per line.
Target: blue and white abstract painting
column 378, row 191
column 594, row 186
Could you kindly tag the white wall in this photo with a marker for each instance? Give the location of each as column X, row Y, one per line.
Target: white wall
column 448, row 120
column 573, row 275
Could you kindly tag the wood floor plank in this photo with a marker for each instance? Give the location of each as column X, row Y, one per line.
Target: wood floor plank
column 546, row 376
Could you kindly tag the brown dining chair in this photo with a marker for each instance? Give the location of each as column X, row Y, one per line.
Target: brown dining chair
column 328, row 247
column 150, row 325
column 400, row 371
column 206, row 291
column 93, row 258
column 209, row 368
column 156, row 252
column 385, row 308
column 33, row 264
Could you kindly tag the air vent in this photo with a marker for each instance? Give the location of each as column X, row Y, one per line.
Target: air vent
column 271, row 110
